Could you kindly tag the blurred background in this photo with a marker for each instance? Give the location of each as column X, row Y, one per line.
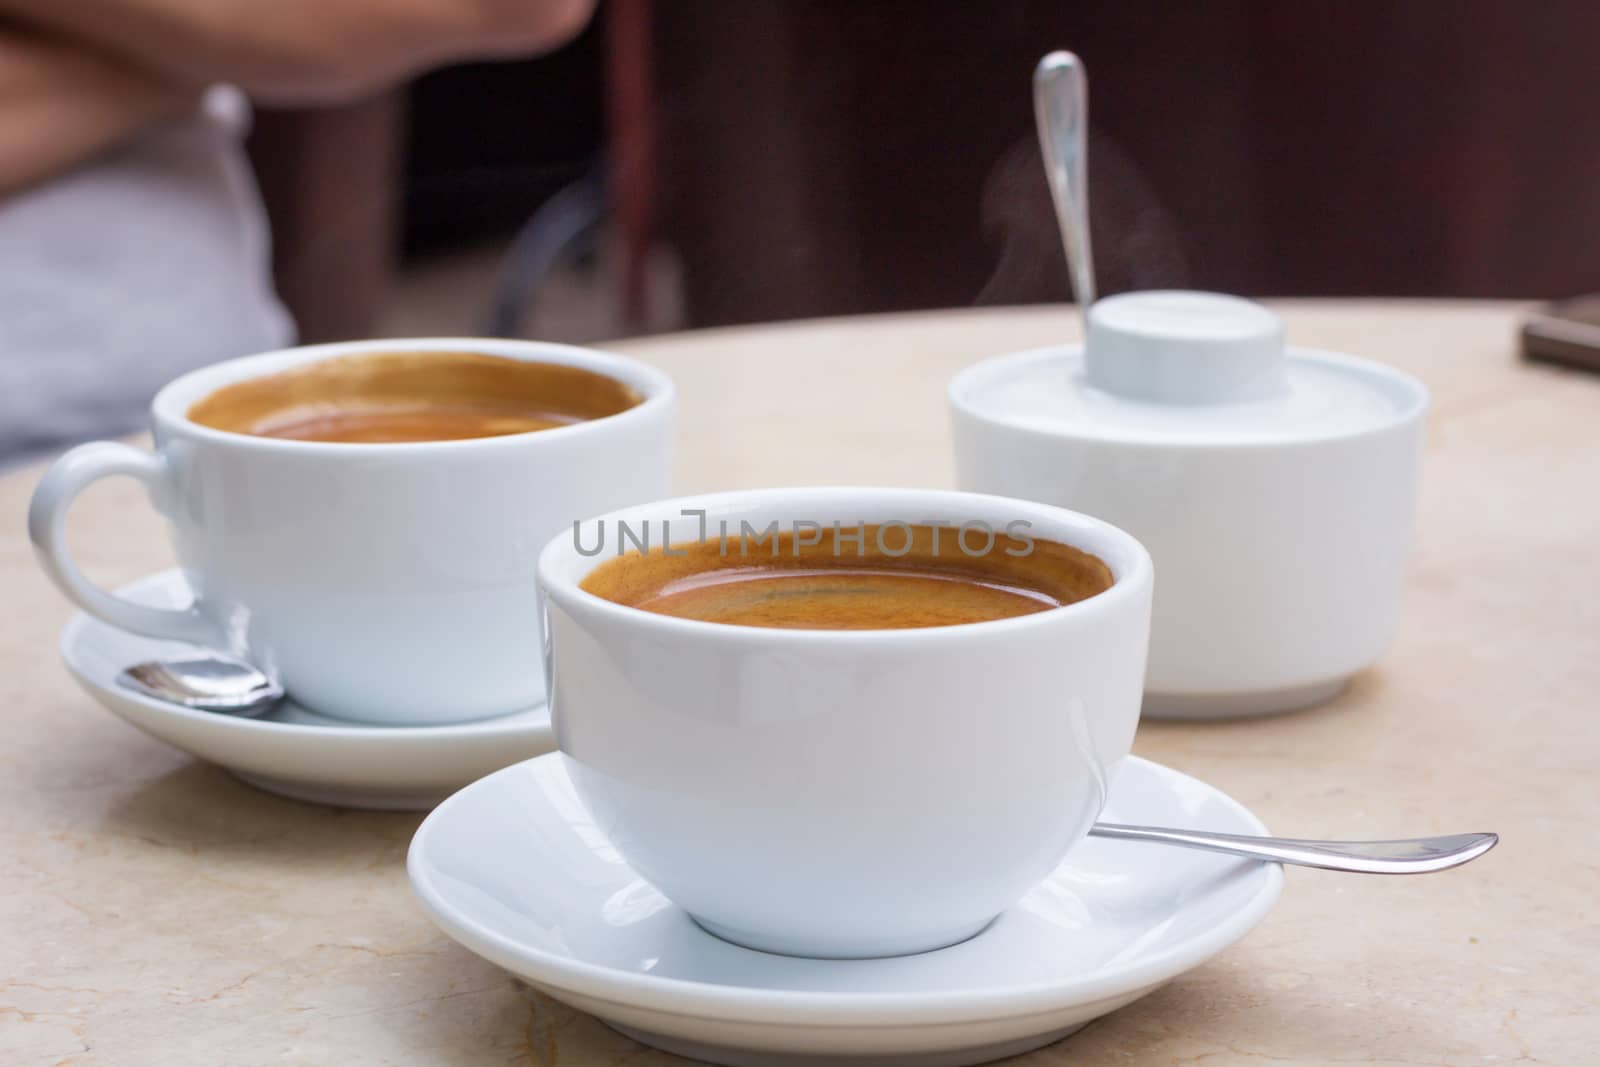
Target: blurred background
column 578, row 170
column 704, row 162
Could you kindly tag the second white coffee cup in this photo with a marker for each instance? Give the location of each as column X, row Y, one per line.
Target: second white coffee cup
column 386, row 583
column 843, row 793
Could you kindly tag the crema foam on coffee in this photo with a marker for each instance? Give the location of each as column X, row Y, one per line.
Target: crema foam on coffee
column 851, row 582
column 392, row 397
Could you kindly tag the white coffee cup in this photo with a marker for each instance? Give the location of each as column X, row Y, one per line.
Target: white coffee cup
column 843, row 793
column 386, row 583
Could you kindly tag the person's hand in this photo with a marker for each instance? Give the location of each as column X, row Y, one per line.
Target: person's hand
column 62, row 102
column 301, row 52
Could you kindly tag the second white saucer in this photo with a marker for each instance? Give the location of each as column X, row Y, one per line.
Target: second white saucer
column 292, row 750
column 514, row 868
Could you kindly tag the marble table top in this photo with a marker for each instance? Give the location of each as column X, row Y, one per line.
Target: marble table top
column 155, row 910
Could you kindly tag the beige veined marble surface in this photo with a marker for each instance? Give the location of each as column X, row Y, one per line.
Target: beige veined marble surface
column 155, row 911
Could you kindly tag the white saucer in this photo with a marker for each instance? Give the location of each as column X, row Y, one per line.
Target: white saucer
column 290, row 750
column 513, row 868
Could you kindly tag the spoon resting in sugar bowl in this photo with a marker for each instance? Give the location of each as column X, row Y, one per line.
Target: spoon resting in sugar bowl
column 1061, row 110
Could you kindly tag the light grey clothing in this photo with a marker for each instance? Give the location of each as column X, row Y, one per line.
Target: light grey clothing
column 126, row 272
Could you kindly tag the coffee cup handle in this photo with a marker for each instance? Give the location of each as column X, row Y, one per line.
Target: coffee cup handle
column 47, row 527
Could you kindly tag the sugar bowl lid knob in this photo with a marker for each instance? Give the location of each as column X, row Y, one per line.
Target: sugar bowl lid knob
column 1180, row 347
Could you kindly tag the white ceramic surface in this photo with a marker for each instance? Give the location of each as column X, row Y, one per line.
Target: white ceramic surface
column 792, row 788
column 1183, row 347
column 290, row 750
column 515, row 869
column 385, row 583
column 1279, row 524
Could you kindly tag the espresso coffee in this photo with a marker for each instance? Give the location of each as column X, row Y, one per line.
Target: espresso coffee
column 412, row 396
column 855, row 578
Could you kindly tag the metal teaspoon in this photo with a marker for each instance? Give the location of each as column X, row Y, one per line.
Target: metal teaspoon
column 1061, row 109
column 206, row 681
column 1421, row 855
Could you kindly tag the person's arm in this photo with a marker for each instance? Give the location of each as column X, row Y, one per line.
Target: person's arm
column 61, row 105
column 301, row 51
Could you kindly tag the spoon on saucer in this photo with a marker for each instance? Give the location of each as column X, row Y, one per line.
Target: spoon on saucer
column 1061, row 110
column 1420, row 855
column 207, row 681
column 212, row 682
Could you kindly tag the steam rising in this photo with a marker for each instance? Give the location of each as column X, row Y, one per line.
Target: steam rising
column 1136, row 241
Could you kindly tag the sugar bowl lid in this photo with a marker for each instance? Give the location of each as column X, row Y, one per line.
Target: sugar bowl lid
column 1170, row 365
column 1176, row 347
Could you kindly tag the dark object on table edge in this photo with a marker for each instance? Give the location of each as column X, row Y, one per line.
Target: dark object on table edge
column 1566, row 332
